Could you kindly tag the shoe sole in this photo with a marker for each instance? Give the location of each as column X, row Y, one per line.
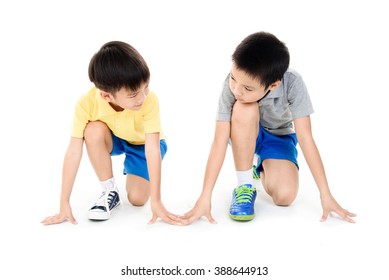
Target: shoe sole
column 100, row 215
column 242, row 218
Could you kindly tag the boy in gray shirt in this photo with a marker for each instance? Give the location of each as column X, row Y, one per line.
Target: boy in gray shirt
column 263, row 111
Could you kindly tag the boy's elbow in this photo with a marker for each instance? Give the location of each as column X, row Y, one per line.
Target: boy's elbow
column 305, row 140
column 152, row 152
column 220, row 141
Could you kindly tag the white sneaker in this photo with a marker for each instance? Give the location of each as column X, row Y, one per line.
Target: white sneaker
column 107, row 202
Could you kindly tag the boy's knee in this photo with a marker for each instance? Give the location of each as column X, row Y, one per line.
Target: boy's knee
column 281, row 195
column 284, row 197
column 94, row 130
column 138, row 200
column 244, row 112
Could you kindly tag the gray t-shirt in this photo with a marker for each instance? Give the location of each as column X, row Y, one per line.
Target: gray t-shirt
column 290, row 100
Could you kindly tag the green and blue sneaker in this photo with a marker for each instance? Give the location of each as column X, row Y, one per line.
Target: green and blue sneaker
column 242, row 205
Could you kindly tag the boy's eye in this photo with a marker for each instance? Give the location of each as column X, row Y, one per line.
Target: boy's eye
column 248, row 89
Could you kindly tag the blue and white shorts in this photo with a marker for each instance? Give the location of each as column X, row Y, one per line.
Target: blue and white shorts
column 269, row 146
column 135, row 160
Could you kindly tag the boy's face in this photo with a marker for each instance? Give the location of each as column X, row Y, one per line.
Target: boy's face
column 245, row 88
column 126, row 98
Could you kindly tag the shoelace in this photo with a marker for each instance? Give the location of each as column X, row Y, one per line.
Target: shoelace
column 244, row 194
column 256, row 175
column 105, row 200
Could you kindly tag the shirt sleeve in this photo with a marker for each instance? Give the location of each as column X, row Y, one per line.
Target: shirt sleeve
column 299, row 101
column 151, row 115
column 82, row 115
column 226, row 102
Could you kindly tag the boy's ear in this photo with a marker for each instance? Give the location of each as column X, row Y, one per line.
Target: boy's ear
column 106, row 96
column 274, row 85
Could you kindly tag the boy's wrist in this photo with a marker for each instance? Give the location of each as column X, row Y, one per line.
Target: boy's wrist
column 64, row 205
column 206, row 194
column 326, row 194
column 64, row 201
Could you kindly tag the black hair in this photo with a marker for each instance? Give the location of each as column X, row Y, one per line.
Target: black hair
column 117, row 65
column 262, row 56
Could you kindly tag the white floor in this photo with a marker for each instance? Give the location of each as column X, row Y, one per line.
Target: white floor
column 289, row 241
column 339, row 48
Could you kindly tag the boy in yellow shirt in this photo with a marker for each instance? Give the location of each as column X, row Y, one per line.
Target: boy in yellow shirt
column 117, row 116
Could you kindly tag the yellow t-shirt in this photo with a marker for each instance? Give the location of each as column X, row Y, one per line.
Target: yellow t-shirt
column 128, row 124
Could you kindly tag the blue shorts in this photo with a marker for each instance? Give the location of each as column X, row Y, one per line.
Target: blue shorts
column 135, row 161
column 269, row 146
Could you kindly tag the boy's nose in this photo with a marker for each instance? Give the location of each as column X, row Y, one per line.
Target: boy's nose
column 237, row 92
column 141, row 99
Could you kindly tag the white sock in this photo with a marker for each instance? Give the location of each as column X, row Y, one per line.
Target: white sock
column 109, row 185
column 256, row 159
column 245, row 177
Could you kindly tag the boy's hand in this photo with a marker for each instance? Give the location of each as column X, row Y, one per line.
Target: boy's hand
column 64, row 214
column 329, row 205
column 160, row 211
column 202, row 208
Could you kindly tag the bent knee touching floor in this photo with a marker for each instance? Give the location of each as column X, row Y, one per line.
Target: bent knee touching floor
column 137, row 200
column 282, row 195
column 138, row 190
column 280, row 181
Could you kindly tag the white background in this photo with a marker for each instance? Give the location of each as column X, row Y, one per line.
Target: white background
column 339, row 47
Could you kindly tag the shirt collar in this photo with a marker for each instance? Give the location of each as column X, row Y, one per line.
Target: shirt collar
column 276, row 93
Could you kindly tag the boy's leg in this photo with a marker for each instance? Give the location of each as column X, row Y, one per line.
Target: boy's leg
column 244, row 132
column 278, row 166
column 99, row 144
column 280, row 180
column 135, row 168
column 138, row 190
column 98, row 141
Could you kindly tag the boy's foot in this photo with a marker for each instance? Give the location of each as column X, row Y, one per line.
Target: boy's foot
column 242, row 206
column 108, row 201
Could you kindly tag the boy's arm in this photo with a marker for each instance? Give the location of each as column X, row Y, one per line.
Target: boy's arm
column 214, row 165
column 69, row 171
column 313, row 159
column 153, row 157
